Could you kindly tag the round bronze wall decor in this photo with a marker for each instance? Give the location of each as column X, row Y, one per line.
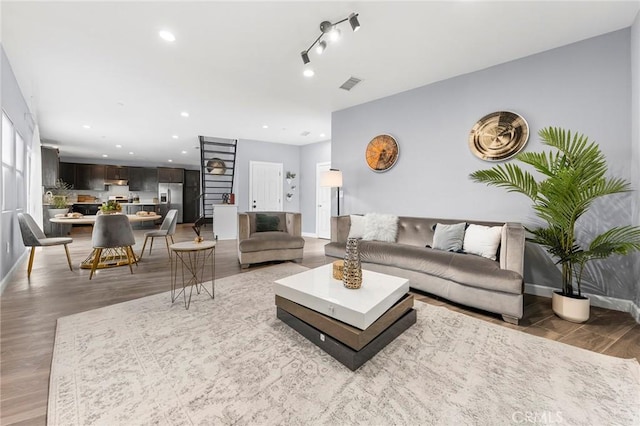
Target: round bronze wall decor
column 382, row 153
column 216, row 166
column 498, row 136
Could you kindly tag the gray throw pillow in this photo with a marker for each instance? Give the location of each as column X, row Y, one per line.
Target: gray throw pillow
column 449, row 237
column 266, row 223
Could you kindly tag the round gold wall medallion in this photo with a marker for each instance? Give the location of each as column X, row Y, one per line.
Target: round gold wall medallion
column 382, row 153
column 498, row 136
column 216, row 166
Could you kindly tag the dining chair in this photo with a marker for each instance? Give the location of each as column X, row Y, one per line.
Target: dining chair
column 32, row 236
column 112, row 233
column 167, row 229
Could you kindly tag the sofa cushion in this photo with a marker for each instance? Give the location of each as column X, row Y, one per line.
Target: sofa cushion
column 482, row 240
column 462, row 268
column 449, row 237
column 380, row 227
column 357, row 226
column 335, row 249
column 282, row 224
column 270, row 240
column 265, row 223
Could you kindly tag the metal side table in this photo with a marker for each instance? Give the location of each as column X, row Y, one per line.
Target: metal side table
column 192, row 259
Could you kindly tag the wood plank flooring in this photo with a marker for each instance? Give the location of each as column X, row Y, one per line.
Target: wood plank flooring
column 29, row 310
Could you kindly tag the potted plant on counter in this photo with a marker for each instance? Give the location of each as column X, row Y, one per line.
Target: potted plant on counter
column 110, row 207
column 58, row 199
column 573, row 178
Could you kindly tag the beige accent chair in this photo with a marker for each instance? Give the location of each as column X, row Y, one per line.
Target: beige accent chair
column 32, row 236
column 283, row 240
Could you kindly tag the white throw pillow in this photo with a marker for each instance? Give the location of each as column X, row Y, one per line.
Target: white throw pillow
column 357, row 226
column 482, row 240
column 380, row 227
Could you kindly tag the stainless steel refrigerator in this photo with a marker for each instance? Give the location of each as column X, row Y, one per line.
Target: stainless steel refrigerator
column 171, row 195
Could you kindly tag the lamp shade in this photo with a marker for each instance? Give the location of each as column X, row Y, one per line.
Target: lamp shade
column 331, row 178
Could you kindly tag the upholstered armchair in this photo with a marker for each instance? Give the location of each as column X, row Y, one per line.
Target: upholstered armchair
column 269, row 236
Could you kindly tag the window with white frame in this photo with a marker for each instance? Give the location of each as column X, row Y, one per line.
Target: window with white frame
column 13, row 165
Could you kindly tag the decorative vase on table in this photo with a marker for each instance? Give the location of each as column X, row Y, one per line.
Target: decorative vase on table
column 352, row 269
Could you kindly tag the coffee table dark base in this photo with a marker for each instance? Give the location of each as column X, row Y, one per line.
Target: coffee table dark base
column 352, row 359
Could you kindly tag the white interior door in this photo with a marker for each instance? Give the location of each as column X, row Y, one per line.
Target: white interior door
column 323, row 204
column 265, row 183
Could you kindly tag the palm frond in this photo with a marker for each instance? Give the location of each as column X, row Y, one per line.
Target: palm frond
column 508, row 176
column 618, row 240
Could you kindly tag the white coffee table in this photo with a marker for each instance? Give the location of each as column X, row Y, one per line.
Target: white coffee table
column 352, row 325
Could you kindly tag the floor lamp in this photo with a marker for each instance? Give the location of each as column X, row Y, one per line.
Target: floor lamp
column 332, row 179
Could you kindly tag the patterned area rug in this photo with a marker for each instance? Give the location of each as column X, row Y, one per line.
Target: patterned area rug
column 230, row 361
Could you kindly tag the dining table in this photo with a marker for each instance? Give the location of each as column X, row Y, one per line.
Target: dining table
column 109, row 257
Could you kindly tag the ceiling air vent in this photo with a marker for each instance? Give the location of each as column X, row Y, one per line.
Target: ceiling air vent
column 305, row 133
column 349, row 84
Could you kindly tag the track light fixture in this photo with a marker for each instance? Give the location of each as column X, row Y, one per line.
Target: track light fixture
column 332, row 31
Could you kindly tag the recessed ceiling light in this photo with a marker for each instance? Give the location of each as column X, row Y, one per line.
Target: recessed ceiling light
column 105, row 155
column 322, row 135
column 184, row 114
column 118, row 146
column 184, row 152
column 86, row 126
column 265, row 126
column 167, row 36
column 175, row 136
column 308, row 72
column 171, row 161
column 130, row 152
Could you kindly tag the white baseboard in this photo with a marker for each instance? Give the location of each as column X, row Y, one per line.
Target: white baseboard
column 596, row 300
column 13, row 269
column 310, row 234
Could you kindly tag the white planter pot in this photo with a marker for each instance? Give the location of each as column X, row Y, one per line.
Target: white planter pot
column 54, row 212
column 570, row 308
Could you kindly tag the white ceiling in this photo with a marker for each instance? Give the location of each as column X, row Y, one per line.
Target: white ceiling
column 236, row 66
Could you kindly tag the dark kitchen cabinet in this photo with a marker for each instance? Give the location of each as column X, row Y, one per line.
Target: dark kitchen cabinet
column 150, row 182
column 90, row 176
column 144, row 179
column 49, row 167
column 68, row 173
column 169, row 175
column 117, row 173
column 136, row 178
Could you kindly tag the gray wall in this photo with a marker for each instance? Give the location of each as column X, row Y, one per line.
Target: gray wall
column 15, row 106
column 635, row 137
column 250, row 150
column 310, row 155
column 584, row 87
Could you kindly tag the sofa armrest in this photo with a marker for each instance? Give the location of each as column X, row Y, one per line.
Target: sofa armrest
column 294, row 224
column 243, row 226
column 340, row 226
column 512, row 247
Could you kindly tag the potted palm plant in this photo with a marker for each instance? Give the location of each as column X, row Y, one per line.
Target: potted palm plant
column 58, row 202
column 573, row 178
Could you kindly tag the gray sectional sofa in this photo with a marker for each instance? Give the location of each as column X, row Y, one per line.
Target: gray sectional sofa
column 491, row 285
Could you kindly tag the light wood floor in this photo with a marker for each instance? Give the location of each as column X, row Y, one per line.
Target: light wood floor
column 29, row 309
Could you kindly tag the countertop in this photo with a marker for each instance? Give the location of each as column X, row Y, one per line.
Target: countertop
column 141, row 203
